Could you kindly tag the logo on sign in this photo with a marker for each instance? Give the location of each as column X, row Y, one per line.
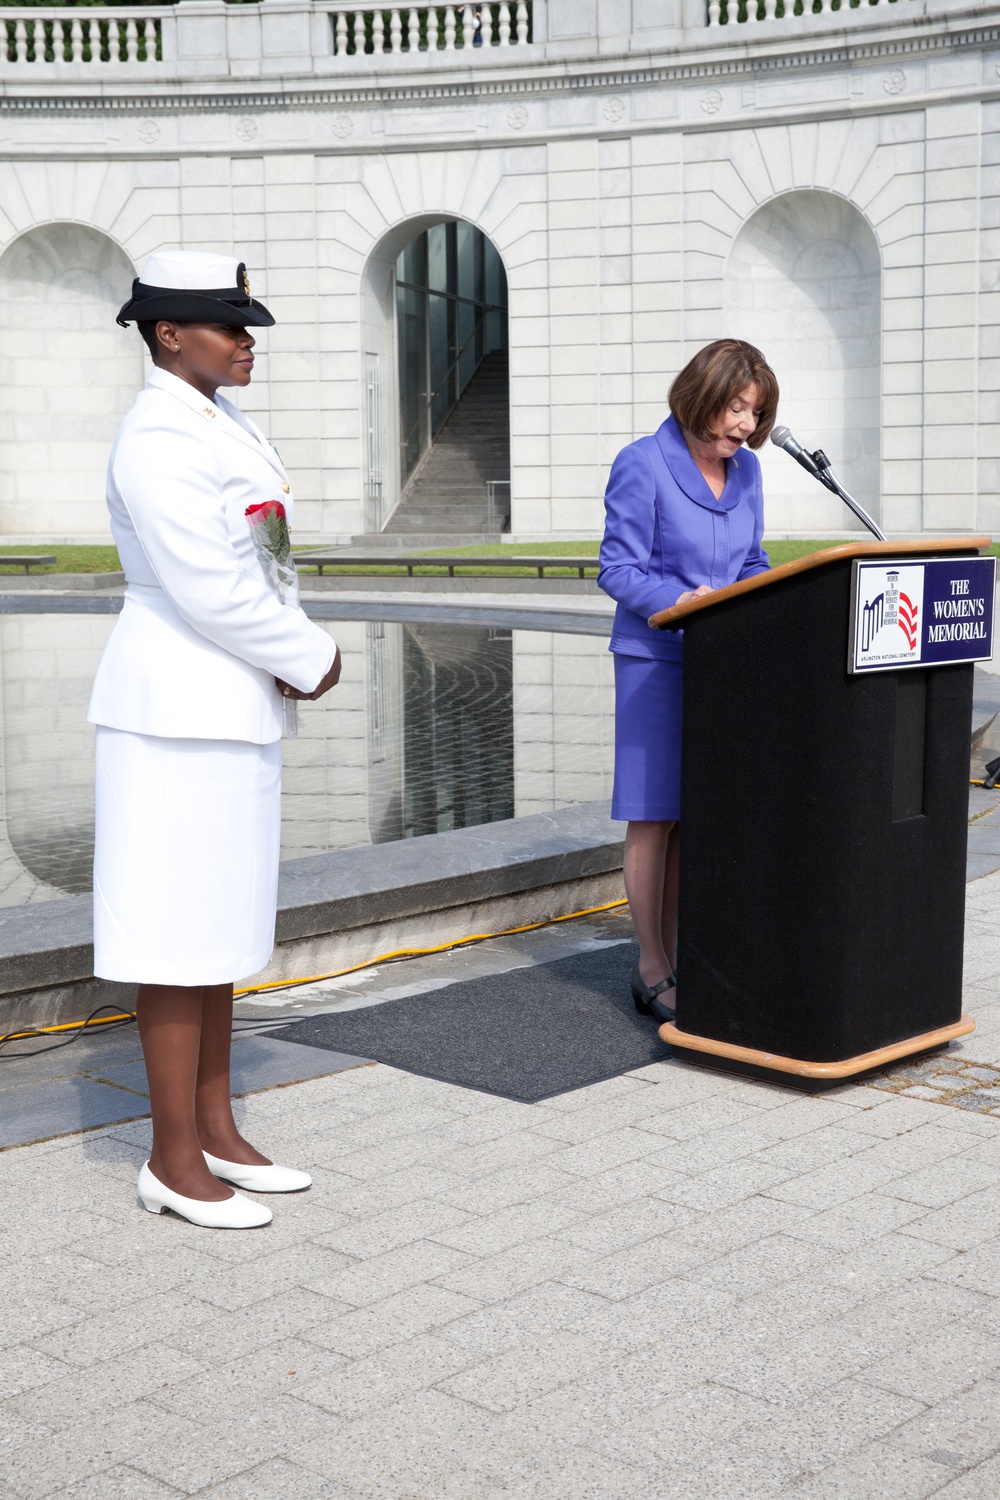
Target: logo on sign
column 889, row 606
column 934, row 613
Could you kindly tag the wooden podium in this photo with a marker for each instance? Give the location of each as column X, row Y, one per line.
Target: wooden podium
column 824, row 823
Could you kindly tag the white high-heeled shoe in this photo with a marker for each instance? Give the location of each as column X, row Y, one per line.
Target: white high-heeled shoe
column 269, row 1179
column 236, row 1212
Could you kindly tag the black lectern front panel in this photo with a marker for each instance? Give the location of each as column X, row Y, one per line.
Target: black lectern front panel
column 823, row 830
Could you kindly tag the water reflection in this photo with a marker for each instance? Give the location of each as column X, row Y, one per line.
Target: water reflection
column 459, row 731
column 432, row 727
column 47, row 666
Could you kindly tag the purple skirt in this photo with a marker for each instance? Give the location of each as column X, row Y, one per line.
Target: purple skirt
column 647, row 740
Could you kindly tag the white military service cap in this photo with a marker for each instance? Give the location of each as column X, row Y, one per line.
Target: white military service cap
column 194, row 286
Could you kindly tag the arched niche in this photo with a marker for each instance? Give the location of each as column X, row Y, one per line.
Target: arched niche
column 803, row 283
column 417, row 365
column 68, row 374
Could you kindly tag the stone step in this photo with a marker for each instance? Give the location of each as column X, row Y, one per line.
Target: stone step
column 449, row 492
column 459, row 485
column 403, row 540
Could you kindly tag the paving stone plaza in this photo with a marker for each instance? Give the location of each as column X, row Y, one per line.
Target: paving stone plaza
column 670, row 1284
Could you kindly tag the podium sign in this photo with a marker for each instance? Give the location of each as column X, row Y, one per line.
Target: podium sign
column 915, row 612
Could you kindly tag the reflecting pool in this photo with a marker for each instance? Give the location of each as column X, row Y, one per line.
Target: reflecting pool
column 433, row 726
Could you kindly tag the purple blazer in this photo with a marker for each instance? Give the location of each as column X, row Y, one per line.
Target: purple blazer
column 666, row 532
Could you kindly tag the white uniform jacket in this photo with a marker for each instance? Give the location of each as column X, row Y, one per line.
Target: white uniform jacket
column 201, row 636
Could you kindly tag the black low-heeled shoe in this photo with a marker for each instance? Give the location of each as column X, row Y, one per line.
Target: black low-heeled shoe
column 646, row 1002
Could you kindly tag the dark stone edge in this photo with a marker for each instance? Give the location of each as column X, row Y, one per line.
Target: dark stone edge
column 377, row 607
column 29, row 583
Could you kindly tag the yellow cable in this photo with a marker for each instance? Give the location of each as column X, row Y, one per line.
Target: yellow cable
column 383, row 958
column 12, row 1036
column 369, row 963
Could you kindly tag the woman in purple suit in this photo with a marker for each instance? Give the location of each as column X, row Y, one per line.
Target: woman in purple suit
column 685, row 515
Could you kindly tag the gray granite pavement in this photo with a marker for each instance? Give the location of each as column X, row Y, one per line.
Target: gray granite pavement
column 671, row 1284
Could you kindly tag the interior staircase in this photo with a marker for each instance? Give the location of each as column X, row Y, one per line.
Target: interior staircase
column 447, row 494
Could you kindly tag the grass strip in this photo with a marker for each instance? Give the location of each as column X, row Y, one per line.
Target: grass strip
column 778, row 551
column 104, row 559
column 72, row 559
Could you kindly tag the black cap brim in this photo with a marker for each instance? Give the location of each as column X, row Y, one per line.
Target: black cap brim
column 195, row 307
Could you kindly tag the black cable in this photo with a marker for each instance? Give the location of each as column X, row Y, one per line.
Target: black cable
column 246, row 1023
column 126, row 1019
column 249, row 1022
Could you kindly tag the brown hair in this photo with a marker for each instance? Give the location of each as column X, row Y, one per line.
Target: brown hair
column 709, row 382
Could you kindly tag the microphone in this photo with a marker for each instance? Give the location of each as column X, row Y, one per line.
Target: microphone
column 781, row 437
column 818, row 465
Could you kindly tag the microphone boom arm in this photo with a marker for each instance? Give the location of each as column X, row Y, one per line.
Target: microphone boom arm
column 818, row 465
column 825, row 475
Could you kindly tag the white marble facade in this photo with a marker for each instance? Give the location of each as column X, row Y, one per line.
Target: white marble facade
column 821, row 184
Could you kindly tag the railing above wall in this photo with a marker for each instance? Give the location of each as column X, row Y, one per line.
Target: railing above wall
column 428, row 28
column 110, row 34
column 743, row 12
column 200, row 40
column 119, row 35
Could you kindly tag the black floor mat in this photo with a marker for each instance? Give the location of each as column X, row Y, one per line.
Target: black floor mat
column 525, row 1034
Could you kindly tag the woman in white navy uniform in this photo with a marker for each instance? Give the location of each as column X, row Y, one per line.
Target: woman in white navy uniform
column 188, row 709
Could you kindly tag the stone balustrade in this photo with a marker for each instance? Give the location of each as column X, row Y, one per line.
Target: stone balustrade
column 107, row 35
column 428, row 28
column 201, row 38
column 116, row 35
column 750, row 12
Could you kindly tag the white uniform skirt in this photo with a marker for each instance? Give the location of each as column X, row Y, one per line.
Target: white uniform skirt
column 187, row 844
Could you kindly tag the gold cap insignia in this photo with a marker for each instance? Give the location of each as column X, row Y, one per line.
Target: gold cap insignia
column 246, row 283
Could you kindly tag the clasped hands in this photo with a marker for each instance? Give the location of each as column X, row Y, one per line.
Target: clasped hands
column 689, row 594
column 323, row 686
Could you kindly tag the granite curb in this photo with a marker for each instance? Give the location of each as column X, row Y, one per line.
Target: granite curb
column 59, row 582
column 47, row 947
column 357, row 887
